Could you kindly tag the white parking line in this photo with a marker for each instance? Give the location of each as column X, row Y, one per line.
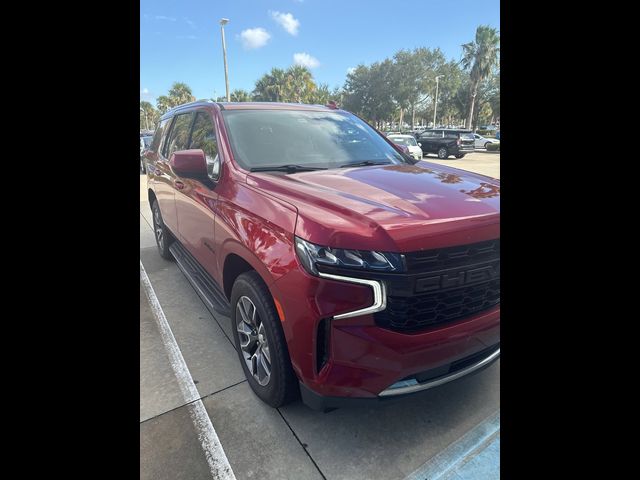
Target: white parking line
column 216, row 458
column 451, row 457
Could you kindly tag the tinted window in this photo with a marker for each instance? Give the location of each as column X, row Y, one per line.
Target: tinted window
column 155, row 145
column 315, row 139
column 466, row 136
column 179, row 134
column 203, row 136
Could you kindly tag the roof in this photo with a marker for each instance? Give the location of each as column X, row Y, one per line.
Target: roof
column 249, row 106
column 272, row 106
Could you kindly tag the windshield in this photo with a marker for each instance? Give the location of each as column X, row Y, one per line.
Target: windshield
column 409, row 141
column 147, row 141
column 262, row 138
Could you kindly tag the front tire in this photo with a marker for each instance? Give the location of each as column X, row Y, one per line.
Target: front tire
column 485, row 145
column 443, row 153
column 164, row 238
column 260, row 341
column 460, row 155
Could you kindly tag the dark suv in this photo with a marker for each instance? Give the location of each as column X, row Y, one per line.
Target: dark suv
column 347, row 270
column 447, row 142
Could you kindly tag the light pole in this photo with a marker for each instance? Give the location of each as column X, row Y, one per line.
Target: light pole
column 223, row 22
column 435, row 104
column 146, row 122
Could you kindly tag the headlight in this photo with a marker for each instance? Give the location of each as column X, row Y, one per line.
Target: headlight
column 312, row 255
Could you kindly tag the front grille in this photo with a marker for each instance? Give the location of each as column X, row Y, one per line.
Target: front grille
column 442, row 285
column 450, row 257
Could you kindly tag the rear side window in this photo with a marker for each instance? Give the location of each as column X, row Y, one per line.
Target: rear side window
column 203, row 136
column 155, row 145
column 179, row 136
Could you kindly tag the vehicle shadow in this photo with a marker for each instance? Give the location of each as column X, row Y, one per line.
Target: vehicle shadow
column 389, row 441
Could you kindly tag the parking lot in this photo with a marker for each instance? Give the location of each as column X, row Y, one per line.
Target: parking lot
column 449, row 432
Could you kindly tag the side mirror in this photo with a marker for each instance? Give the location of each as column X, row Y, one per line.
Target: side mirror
column 189, row 163
column 419, row 143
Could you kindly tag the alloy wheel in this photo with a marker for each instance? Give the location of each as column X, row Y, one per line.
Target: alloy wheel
column 157, row 227
column 253, row 340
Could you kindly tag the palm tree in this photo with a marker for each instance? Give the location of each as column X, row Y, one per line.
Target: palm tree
column 271, row 86
column 180, row 93
column 300, row 83
column 278, row 84
column 240, row 95
column 479, row 57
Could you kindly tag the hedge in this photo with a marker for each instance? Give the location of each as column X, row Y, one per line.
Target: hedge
column 493, row 147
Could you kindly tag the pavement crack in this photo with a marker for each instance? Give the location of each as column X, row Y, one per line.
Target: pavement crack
column 193, row 401
column 303, row 445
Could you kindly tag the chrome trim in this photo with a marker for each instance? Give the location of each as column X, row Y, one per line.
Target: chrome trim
column 379, row 294
column 441, row 380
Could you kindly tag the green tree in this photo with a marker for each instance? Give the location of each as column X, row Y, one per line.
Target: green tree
column 148, row 116
column 240, row 95
column 180, row 93
column 414, row 74
column 299, row 84
column 164, row 103
column 479, row 58
column 271, row 86
column 367, row 92
column 321, row 95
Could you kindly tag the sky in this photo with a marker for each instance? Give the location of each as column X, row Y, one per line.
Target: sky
column 180, row 40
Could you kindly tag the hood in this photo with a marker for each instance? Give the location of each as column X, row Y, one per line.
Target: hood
column 389, row 208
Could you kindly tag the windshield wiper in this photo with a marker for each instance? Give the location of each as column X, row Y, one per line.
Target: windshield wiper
column 286, row 168
column 366, row 163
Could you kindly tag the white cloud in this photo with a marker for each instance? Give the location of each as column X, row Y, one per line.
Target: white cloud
column 144, row 91
column 305, row 60
column 254, row 37
column 162, row 17
column 351, row 70
column 286, row 21
column 191, row 23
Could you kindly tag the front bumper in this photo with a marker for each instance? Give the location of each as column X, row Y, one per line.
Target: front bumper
column 338, row 354
column 398, row 392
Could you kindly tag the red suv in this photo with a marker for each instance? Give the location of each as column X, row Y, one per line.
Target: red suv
column 350, row 271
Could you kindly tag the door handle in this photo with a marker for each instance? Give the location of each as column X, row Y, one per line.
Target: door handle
column 178, row 184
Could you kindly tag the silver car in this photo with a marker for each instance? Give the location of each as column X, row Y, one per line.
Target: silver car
column 482, row 142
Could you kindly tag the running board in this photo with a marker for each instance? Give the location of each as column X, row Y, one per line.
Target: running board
column 204, row 285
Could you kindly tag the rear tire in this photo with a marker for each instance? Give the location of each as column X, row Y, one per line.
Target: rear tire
column 254, row 317
column 443, row 153
column 485, row 145
column 164, row 238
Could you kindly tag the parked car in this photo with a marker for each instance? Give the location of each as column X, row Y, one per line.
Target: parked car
column 482, row 142
column 145, row 142
column 348, row 271
column 410, row 142
column 498, row 134
column 446, row 142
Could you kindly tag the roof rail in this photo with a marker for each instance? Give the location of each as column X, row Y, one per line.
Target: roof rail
column 185, row 105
